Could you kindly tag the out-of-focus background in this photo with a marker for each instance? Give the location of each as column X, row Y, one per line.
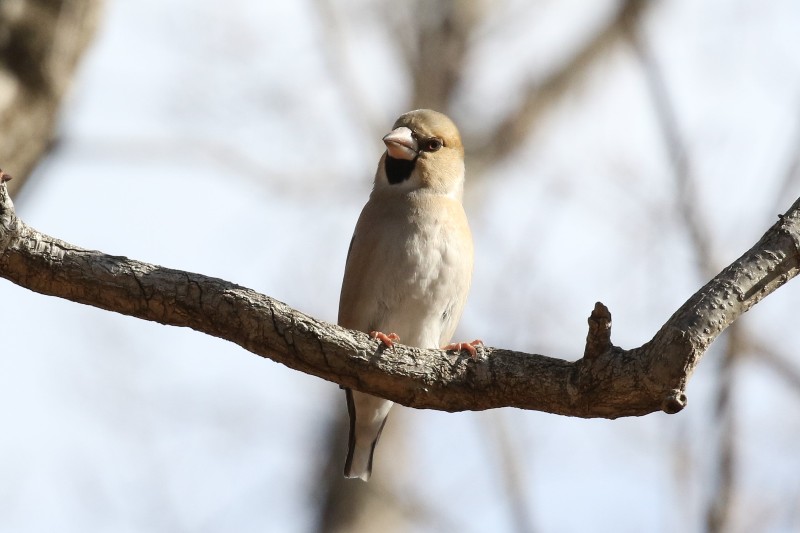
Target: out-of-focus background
column 621, row 151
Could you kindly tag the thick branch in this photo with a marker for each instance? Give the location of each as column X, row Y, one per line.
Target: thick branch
column 610, row 384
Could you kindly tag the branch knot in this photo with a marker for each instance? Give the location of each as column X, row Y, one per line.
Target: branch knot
column 674, row 403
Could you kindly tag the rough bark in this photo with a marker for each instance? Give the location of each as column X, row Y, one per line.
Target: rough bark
column 607, row 382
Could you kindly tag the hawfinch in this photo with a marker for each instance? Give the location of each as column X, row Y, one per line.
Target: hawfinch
column 409, row 265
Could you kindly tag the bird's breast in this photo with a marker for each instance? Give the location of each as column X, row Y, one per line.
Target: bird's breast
column 409, row 269
column 432, row 266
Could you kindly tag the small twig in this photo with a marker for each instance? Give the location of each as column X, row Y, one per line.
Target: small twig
column 598, row 340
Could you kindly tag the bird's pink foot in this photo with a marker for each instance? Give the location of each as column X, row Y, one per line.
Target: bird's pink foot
column 387, row 340
column 471, row 347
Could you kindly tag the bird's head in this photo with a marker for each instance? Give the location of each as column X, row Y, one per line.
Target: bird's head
column 423, row 151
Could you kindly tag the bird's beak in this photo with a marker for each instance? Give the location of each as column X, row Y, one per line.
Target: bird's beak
column 400, row 144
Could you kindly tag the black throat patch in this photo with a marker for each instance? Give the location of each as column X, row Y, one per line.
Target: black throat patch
column 398, row 170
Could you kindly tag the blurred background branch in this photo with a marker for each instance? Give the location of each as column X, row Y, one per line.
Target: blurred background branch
column 41, row 42
column 540, row 97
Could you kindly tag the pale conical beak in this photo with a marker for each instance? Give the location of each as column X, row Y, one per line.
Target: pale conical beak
column 400, row 144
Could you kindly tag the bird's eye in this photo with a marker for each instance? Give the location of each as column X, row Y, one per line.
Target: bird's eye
column 431, row 145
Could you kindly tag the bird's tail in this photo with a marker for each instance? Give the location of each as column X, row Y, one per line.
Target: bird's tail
column 368, row 415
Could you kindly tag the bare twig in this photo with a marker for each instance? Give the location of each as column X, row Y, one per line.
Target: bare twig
column 598, row 341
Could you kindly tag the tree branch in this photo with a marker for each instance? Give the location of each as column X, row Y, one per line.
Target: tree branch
column 610, row 384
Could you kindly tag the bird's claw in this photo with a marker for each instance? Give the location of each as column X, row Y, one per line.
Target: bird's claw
column 471, row 347
column 387, row 340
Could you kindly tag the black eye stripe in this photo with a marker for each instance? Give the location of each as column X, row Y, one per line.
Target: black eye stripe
column 431, row 144
column 425, row 142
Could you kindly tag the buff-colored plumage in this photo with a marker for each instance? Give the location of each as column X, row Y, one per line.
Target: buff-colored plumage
column 410, row 261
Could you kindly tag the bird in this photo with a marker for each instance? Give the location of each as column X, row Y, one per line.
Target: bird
column 409, row 265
